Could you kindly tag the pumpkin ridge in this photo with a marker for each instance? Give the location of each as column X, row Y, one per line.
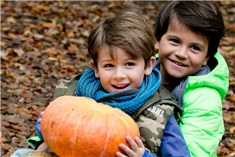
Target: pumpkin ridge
column 50, row 121
column 95, row 118
column 76, row 138
column 122, row 127
column 76, row 135
column 63, row 121
column 84, row 117
column 59, row 126
column 107, row 138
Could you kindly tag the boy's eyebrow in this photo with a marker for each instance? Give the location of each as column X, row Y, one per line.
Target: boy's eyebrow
column 105, row 60
column 198, row 44
column 127, row 59
column 201, row 45
column 134, row 57
column 174, row 36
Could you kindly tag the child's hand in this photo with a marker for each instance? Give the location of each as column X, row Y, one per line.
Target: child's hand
column 39, row 120
column 136, row 148
column 38, row 125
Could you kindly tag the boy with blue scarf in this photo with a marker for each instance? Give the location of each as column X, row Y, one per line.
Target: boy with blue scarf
column 123, row 75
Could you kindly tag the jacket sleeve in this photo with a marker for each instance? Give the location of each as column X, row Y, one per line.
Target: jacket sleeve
column 202, row 121
column 173, row 143
column 148, row 155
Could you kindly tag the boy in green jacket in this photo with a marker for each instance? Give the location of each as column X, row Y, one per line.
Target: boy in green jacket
column 188, row 35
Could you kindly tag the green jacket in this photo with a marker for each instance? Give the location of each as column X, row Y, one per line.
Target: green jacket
column 202, row 121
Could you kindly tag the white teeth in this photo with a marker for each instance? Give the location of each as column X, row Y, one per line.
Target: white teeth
column 120, row 86
column 178, row 63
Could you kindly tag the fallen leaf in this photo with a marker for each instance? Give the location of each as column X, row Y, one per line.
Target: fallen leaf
column 19, row 51
column 232, row 129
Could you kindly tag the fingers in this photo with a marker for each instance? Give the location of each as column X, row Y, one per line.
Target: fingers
column 130, row 152
column 132, row 143
column 41, row 113
column 136, row 148
column 119, row 154
column 139, row 142
column 125, row 149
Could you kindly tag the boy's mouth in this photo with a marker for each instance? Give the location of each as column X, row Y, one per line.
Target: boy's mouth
column 119, row 87
column 178, row 63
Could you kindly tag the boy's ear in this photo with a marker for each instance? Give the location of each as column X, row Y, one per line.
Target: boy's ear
column 205, row 61
column 156, row 46
column 92, row 64
column 150, row 66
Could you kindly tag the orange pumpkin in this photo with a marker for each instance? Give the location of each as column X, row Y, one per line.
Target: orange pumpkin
column 81, row 127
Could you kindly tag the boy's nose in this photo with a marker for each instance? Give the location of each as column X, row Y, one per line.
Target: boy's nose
column 119, row 73
column 182, row 52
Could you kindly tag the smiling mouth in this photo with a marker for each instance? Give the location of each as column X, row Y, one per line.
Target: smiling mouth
column 119, row 87
column 178, row 63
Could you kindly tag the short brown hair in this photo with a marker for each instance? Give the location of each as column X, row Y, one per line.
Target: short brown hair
column 128, row 31
column 202, row 17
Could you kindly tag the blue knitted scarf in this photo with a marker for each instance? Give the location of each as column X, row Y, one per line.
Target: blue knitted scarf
column 129, row 100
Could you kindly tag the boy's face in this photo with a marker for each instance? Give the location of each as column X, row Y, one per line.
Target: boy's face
column 120, row 72
column 181, row 51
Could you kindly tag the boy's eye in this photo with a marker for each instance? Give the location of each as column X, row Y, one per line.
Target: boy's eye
column 108, row 65
column 130, row 64
column 174, row 40
column 195, row 48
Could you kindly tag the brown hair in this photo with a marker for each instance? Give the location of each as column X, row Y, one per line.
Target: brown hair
column 203, row 17
column 128, row 31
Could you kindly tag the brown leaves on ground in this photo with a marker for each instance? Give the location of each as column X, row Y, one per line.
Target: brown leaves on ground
column 43, row 41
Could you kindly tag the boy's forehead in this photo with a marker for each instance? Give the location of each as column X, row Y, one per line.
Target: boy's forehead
column 176, row 28
column 175, row 24
column 114, row 51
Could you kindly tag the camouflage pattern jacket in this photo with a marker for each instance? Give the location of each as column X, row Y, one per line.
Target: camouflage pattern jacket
column 152, row 118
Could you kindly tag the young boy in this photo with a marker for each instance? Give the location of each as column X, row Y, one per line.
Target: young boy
column 123, row 76
column 188, row 35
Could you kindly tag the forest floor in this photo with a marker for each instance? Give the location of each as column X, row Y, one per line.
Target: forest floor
column 44, row 41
